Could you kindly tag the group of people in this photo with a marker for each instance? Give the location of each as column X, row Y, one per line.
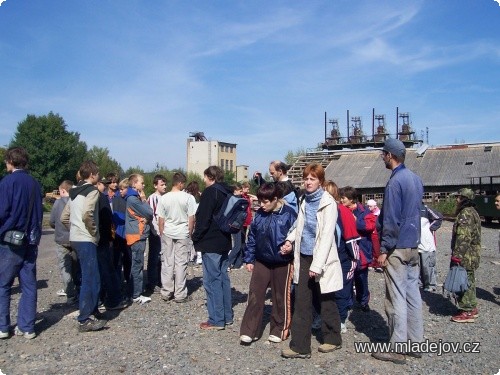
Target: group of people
column 119, row 219
column 329, row 247
column 312, row 248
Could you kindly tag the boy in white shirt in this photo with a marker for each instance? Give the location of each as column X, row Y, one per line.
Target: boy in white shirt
column 175, row 211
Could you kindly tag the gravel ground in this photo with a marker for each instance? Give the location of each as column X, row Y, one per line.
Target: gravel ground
column 164, row 338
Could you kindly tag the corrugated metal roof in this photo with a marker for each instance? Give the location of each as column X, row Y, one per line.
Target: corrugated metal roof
column 438, row 166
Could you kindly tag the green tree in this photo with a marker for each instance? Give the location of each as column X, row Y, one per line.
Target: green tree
column 105, row 162
column 191, row 176
column 291, row 156
column 229, row 178
column 132, row 170
column 55, row 153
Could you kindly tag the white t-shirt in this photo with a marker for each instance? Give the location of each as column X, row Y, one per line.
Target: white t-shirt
column 176, row 207
column 427, row 242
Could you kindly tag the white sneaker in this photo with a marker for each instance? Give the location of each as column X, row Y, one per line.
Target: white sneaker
column 61, row 293
column 274, row 338
column 141, row 300
column 246, row 339
column 26, row 335
column 343, row 328
column 4, row 335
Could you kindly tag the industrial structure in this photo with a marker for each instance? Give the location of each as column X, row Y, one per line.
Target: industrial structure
column 354, row 160
column 357, row 138
column 202, row 153
column 443, row 169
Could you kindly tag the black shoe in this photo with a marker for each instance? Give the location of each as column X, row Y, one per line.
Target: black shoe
column 168, row 298
column 91, row 324
column 120, row 306
column 154, row 290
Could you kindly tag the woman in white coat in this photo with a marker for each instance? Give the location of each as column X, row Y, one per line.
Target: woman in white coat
column 317, row 269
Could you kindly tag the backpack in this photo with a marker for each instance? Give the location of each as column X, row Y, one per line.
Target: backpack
column 233, row 212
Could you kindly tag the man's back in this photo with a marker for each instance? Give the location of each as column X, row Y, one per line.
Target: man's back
column 16, row 189
column 79, row 214
column 400, row 214
column 176, row 207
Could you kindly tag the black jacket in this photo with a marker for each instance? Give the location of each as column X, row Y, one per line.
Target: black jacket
column 207, row 237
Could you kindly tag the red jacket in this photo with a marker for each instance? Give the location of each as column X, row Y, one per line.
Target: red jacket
column 248, row 220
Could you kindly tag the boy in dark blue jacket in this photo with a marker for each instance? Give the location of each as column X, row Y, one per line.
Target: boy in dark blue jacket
column 269, row 267
column 19, row 191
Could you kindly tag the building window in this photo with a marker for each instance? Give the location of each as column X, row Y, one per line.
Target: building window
column 227, row 165
column 222, row 163
column 231, row 165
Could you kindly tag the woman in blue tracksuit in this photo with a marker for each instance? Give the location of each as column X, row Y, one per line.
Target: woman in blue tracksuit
column 268, row 232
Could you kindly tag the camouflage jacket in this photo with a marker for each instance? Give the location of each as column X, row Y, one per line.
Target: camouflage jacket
column 466, row 238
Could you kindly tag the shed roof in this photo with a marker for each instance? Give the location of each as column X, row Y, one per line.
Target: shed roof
column 452, row 165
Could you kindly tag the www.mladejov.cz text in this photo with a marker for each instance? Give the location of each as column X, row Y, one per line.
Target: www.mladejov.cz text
column 439, row 348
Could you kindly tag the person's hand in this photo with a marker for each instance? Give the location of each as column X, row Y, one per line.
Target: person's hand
column 249, row 267
column 313, row 274
column 382, row 260
column 455, row 261
column 286, row 248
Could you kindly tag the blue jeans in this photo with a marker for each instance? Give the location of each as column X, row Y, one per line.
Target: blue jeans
column 137, row 269
column 91, row 284
column 20, row 262
column 403, row 304
column 110, row 293
column 217, row 288
column 236, row 255
column 428, row 269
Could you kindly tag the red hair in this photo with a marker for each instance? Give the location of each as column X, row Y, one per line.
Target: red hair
column 315, row 170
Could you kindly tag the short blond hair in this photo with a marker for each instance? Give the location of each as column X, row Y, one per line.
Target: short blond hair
column 66, row 185
column 133, row 178
column 123, row 183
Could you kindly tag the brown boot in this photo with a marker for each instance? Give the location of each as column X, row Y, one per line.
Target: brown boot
column 396, row 358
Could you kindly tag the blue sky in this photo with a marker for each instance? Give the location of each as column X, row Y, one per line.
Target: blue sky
column 138, row 76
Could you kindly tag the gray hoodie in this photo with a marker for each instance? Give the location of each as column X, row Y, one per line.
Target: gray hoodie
column 61, row 233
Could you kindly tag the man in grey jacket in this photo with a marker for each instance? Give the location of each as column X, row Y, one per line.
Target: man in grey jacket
column 80, row 216
column 66, row 257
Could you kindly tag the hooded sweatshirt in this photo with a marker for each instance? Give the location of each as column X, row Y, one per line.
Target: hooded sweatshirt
column 137, row 217
column 80, row 213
